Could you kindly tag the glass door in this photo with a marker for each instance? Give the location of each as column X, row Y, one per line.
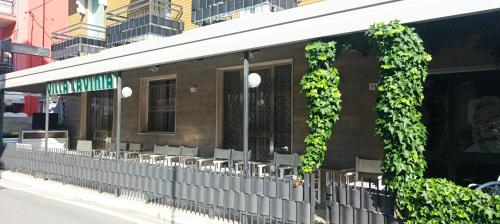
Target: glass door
column 260, row 116
column 100, row 118
column 269, row 111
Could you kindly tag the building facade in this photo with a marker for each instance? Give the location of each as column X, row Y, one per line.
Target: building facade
column 183, row 62
column 25, row 35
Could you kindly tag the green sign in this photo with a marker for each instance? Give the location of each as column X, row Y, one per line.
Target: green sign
column 84, row 84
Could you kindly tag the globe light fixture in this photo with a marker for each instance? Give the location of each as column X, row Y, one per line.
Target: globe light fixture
column 126, row 92
column 254, row 80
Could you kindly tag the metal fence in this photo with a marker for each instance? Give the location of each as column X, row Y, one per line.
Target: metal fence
column 245, row 199
column 142, row 19
column 205, row 12
column 77, row 40
column 364, row 202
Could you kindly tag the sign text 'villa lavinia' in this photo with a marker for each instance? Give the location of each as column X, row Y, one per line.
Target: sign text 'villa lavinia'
column 83, row 84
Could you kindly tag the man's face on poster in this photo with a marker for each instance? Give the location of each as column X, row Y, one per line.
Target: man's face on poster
column 487, row 121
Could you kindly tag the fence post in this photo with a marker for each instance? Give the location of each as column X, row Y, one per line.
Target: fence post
column 313, row 198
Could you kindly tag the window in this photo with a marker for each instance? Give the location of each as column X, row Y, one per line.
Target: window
column 462, row 116
column 161, row 106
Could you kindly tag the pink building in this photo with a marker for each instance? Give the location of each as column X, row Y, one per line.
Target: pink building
column 25, row 34
column 30, row 23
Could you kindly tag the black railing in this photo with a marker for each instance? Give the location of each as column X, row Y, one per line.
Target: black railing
column 222, row 195
column 77, row 40
column 143, row 19
column 6, row 68
column 212, row 11
column 366, row 201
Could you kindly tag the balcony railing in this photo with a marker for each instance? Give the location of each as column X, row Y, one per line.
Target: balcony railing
column 77, row 40
column 6, row 68
column 7, row 7
column 143, row 19
column 207, row 12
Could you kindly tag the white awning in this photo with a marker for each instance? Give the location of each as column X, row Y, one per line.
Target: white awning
column 327, row 18
column 10, row 99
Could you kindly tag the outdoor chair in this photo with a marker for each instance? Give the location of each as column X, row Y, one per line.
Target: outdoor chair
column 171, row 155
column 133, row 151
column 365, row 168
column 85, row 147
column 111, row 149
column 188, row 156
column 238, row 160
column 492, row 187
column 286, row 162
column 52, row 146
column 221, row 157
column 134, row 147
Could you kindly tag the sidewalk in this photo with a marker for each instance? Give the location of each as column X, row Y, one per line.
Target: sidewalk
column 136, row 211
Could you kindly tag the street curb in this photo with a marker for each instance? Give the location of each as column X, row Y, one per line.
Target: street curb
column 125, row 208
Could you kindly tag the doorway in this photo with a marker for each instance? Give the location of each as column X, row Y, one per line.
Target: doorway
column 269, row 111
column 100, row 118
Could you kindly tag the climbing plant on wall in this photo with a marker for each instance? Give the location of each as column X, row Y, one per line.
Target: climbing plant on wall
column 321, row 88
column 403, row 71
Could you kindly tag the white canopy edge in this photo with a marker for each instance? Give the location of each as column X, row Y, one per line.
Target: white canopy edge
column 327, row 18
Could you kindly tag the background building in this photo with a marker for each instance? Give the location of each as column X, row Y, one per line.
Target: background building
column 25, row 35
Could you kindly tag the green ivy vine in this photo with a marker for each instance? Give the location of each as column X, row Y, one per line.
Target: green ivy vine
column 403, row 71
column 321, row 88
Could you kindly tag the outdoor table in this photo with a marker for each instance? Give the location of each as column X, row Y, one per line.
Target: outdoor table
column 154, row 158
column 255, row 166
column 185, row 161
column 105, row 154
column 130, row 155
column 112, row 154
column 145, row 155
column 217, row 164
column 169, row 160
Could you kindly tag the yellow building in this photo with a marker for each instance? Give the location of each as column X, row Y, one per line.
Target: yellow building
column 95, row 25
column 186, row 5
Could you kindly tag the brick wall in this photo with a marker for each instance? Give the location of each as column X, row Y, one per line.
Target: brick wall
column 197, row 113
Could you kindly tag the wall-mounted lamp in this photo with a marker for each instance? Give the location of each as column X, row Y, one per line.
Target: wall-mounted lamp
column 154, row 68
column 193, row 89
column 126, row 92
column 254, row 80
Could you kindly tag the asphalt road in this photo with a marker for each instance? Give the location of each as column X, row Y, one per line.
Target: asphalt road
column 19, row 207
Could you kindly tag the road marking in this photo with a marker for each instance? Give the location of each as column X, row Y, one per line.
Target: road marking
column 74, row 203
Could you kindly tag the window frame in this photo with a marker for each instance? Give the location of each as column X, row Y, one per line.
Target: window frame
column 144, row 103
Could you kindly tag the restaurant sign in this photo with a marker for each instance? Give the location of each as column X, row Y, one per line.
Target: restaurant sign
column 83, row 84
